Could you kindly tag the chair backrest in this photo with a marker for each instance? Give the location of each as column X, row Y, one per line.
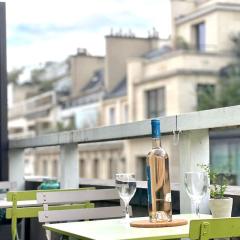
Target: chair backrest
column 54, row 198
column 214, row 228
column 30, row 212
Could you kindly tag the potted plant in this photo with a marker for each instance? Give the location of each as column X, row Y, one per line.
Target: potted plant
column 219, row 205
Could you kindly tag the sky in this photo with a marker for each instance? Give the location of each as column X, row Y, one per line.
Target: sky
column 51, row 30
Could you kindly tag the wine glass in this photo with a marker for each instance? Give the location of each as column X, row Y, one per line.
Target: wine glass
column 126, row 186
column 196, row 185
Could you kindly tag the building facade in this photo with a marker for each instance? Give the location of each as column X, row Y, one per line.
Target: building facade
column 143, row 78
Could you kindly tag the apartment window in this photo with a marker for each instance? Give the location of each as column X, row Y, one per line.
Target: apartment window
column 204, row 92
column 112, row 116
column 225, row 157
column 200, row 36
column 45, row 125
column 45, row 167
column 36, row 167
column 141, row 168
column 112, row 168
column 82, row 168
column 155, row 100
column 122, row 165
column 55, row 168
column 95, row 168
column 125, row 113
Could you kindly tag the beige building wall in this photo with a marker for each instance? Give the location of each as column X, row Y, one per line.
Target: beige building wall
column 179, row 8
column 187, row 99
column 118, row 50
column 136, row 151
column 82, row 69
column 20, row 93
column 174, row 71
column 203, row 3
column 231, row 21
column 186, row 31
column 217, row 34
column 120, row 106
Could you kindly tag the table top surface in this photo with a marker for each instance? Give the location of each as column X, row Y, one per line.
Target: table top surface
column 119, row 229
column 28, row 203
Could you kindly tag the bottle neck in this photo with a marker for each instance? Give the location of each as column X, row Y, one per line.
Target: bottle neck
column 156, row 142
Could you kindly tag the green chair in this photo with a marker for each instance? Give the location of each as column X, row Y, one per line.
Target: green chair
column 214, row 228
column 18, row 212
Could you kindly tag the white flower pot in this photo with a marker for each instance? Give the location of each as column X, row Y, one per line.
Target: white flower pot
column 221, row 207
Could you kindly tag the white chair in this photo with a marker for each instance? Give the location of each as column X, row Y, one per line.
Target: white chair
column 81, row 196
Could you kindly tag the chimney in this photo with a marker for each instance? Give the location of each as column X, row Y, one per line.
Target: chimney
column 83, row 65
column 82, row 51
column 119, row 48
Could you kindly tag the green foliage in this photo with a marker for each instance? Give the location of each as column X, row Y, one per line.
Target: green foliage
column 45, row 86
column 70, row 126
column 218, row 182
column 13, row 75
column 180, row 43
column 227, row 91
column 235, row 38
column 206, row 96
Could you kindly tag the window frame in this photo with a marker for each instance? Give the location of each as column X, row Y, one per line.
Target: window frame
column 155, row 96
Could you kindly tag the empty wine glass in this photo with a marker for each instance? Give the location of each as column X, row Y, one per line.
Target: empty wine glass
column 196, row 185
column 126, row 186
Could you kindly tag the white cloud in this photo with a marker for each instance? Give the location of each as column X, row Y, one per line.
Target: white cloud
column 42, row 30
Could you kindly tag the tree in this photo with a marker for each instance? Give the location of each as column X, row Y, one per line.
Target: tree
column 227, row 90
column 13, row 75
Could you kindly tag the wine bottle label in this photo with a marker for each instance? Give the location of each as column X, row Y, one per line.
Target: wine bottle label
column 168, row 197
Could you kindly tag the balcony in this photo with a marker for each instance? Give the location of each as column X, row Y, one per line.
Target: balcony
column 193, row 145
column 185, row 62
column 32, row 107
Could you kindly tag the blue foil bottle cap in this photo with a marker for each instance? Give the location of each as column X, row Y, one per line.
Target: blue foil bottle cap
column 156, row 133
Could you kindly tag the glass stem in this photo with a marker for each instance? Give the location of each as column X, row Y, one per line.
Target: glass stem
column 197, row 209
column 127, row 213
column 126, row 210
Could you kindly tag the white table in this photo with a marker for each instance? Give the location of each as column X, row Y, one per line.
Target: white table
column 116, row 229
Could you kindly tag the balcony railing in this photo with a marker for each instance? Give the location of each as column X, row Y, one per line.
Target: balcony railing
column 180, row 62
column 193, row 144
column 40, row 103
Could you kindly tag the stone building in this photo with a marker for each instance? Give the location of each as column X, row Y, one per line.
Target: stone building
column 143, row 78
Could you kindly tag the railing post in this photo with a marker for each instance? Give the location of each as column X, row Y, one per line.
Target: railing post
column 16, row 167
column 69, row 166
column 193, row 150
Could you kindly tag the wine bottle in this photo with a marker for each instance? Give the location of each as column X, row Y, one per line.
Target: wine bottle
column 159, row 191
